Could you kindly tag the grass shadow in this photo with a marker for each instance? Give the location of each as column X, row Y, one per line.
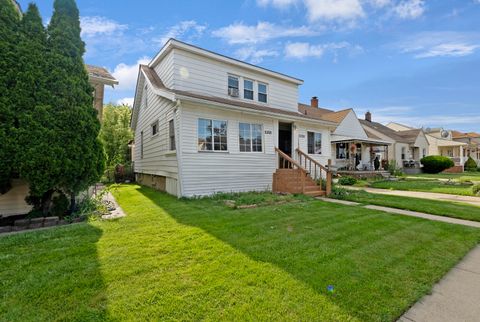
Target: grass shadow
column 52, row 275
column 378, row 264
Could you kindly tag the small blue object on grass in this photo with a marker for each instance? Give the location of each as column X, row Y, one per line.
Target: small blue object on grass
column 330, row 288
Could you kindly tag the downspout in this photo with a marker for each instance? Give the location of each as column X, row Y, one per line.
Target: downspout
column 178, row 145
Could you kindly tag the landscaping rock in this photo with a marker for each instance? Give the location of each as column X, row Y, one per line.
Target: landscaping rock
column 230, row 203
column 5, row 229
column 246, row 206
column 50, row 221
column 21, row 224
column 36, row 223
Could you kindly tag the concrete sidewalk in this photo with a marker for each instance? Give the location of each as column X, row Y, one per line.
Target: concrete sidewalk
column 455, row 298
column 475, row 201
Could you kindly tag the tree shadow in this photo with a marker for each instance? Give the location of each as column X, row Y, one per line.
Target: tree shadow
column 52, row 275
column 376, row 266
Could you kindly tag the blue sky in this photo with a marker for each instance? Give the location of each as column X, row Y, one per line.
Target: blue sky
column 410, row 61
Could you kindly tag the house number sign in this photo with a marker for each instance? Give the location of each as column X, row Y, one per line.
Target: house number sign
column 301, row 136
column 268, row 132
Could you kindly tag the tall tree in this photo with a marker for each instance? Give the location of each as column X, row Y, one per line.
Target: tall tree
column 77, row 127
column 9, row 20
column 36, row 157
column 116, row 133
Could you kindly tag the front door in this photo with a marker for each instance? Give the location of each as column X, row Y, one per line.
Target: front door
column 285, row 138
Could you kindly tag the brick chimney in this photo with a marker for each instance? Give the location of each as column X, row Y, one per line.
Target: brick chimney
column 368, row 116
column 314, row 101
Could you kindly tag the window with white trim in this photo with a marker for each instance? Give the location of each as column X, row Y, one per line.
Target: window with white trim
column 154, row 127
column 171, row 135
column 262, row 92
column 212, row 135
column 233, row 86
column 250, row 137
column 314, row 141
column 342, row 151
column 248, row 89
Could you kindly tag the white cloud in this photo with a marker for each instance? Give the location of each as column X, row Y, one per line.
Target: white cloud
column 189, row 28
column 440, row 44
column 379, row 3
column 334, row 9
column 302, row 50
column 282, row 4
column 253, row 55
column 239, row 33
column 127, row 74
column 96, row 25
column 409, row 9
column 449, row 49
column 126, row 101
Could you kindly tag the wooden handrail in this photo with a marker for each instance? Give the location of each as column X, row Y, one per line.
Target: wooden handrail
column 289, row 159
column 306, row 156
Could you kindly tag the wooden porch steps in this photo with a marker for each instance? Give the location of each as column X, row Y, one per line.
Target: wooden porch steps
column 295, row 181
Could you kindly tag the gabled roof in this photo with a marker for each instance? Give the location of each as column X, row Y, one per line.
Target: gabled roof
column 174, row 43
column 160, row 87
column 384, row 130
column 101, row 75
column 460, row 135
column 323, row 113
column 410, row 135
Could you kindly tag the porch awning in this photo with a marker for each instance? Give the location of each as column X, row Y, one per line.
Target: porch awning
column 346, row 139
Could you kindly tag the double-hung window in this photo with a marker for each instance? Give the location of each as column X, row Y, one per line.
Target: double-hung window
column 314, row 142
column 212, row 135
column 262, row 92
column 233, row 86
column 250, row 137
column 248, row 89
column 171, row 135
column 141, row 145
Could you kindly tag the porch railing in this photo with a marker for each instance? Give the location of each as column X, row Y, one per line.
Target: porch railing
column 316, row 170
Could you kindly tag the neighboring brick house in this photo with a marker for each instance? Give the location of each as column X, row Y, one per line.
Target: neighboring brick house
column 99, row 77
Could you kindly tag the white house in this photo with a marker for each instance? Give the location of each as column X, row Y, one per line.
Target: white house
column 207, row 123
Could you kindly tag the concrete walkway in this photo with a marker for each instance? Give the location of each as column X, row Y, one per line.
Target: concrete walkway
column 449, row 220
column 455, row 298
column 475, row 201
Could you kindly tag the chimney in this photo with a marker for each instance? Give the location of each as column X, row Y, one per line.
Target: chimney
column 368, row 116
column 314, row 101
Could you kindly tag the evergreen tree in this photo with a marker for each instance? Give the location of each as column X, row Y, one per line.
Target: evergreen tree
column 80, row 158
column 9, row 20
column 36, row 159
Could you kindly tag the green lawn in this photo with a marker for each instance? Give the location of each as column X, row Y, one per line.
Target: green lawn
column 466, row 176
column 425, row 185
column 435, row 207
column 200, row 260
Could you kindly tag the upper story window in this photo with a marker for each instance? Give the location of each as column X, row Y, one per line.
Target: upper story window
column 314, row 143
column 262, row 92
column 250, row 137
column 248, row 89
column 212, row 135
column 154, row 128
column 233, row 86
column 171, row 135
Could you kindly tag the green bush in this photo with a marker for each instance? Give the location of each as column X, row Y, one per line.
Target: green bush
column 470, row 165
column 60, row 205
column 476, row 189
column 436, row 163
column 338, row 192
column 394, row 169
column 347, row 181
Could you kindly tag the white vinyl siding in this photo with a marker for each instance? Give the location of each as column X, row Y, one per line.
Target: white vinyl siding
column 165, row 69
column 154, row 156
column 210, row 77
column 207, row 173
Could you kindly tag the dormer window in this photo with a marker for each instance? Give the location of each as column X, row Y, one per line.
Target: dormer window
column 262, row 92
column 233, row 86
column 248, row 89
